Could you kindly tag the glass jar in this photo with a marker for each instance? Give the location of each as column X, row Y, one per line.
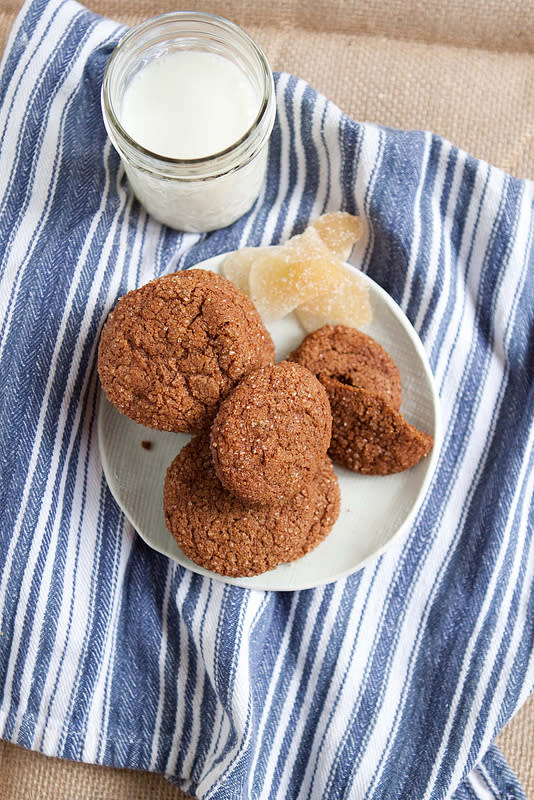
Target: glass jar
column 196, row 194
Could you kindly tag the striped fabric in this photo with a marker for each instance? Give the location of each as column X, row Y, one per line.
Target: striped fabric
column 391, row 683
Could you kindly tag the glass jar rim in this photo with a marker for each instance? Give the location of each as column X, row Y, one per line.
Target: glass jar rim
column 233, row 149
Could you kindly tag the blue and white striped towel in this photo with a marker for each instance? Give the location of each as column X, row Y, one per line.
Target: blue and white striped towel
column 392, row 683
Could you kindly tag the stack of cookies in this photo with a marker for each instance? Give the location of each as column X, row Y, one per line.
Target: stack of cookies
column 258, row 489
column 369, row 433
column 188, row 352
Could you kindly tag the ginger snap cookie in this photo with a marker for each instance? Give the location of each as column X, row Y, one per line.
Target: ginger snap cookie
column 352, row 358
column 368, row 434
column 171, row 350
column 271, row 433
column 219, row 532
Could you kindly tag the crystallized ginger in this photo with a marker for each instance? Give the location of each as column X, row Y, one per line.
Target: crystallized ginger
column 339, row 231
column 236, row 266
column 347, row 304
column 294, row 274
column 306, row 275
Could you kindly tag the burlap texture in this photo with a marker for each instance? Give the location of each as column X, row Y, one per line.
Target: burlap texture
column 463, row 69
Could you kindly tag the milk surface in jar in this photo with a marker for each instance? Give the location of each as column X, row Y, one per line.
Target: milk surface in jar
column 188, row 105
column 188, row 102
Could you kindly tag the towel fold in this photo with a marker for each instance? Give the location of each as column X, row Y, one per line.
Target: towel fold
column 391, row 683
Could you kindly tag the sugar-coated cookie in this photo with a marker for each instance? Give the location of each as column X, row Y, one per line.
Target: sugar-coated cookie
column 353, row 358
column 222, row 534
column 171, row 350
column 271, row 433
column 368, row 434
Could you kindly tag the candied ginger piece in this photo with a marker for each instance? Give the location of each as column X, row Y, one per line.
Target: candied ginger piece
column 339, row 231
column 236, row 266
column 347, row 304
column 296, row 273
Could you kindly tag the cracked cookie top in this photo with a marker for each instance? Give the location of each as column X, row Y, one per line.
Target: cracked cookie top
column 171, row 350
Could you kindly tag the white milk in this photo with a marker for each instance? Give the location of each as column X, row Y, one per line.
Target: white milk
column 188, row 104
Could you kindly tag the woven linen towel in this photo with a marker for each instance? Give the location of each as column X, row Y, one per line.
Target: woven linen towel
column 391, row 683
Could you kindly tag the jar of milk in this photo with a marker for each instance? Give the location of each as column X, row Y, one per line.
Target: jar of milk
column 188, row 102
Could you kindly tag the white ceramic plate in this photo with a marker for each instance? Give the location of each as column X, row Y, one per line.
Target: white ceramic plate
column 374, row 510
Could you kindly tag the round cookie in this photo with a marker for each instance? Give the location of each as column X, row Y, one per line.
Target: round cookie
column 222, row 534
column 271, row 433
column 353, row 358
column 172, row 349
column 369, row 435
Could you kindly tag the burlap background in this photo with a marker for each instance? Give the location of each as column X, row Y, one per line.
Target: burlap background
column 463, row 69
